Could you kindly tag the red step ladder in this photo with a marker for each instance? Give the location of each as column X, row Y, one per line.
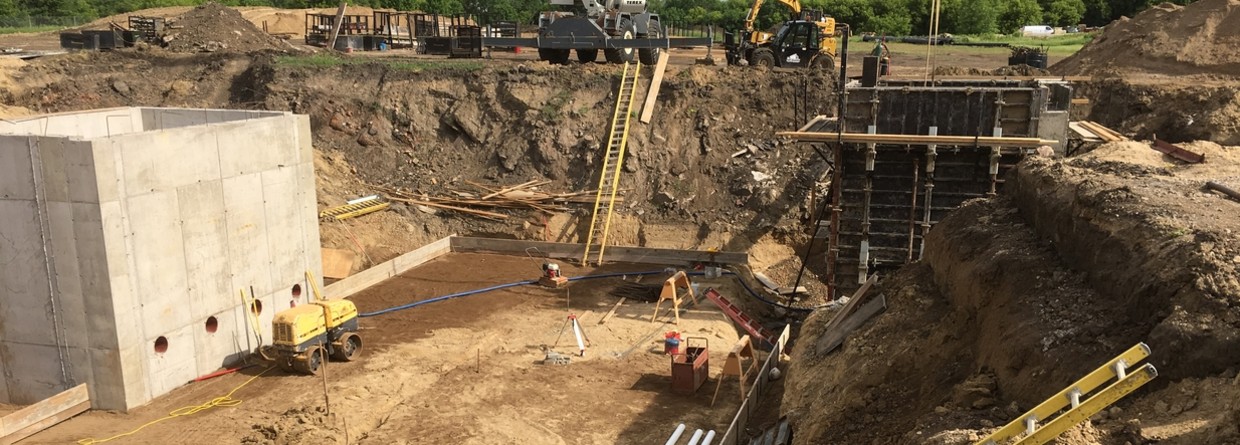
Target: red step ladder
column 754, row 328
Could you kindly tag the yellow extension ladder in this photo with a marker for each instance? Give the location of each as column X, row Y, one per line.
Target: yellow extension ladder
column 609, row 180
column 1080, row 401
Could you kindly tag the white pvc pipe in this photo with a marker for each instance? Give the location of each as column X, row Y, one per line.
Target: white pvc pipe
column 697, row 434
column 577, row 332
column 676, row 435
column 710, row 435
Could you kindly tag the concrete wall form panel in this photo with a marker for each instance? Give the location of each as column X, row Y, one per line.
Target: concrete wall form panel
column 157, row 245
column 202, row 213
column 16, row 176
column 23, row 276
column 246, row 216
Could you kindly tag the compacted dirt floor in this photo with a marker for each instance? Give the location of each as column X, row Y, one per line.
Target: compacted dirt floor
column 465, row 370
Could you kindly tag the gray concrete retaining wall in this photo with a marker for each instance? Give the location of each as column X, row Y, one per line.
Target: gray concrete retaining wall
column 122, row 228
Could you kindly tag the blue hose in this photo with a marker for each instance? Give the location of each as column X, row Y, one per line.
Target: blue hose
column 577, row 278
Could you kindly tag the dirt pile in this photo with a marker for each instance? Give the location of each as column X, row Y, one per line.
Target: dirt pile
column 1200, row 38
column 1013, row 70
column 1021, row 295
column 214, row 27
column 1172, row 112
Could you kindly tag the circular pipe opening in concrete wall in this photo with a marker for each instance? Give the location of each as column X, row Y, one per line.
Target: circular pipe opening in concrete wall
column 296, row 290
column 212, row 324
column 292, row 303
column 161, row 345
column 256, row 307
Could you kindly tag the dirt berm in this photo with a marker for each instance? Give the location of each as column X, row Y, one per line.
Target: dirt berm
column 1021, row 295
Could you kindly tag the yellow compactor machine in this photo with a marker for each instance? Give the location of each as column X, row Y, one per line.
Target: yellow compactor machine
column 305, row 335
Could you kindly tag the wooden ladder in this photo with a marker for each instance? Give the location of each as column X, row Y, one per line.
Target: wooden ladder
column 609, row 180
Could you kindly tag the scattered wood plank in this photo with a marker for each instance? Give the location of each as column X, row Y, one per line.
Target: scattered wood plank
column 766, row 281
column 509, row 189
column 652, row 96
column 520, row 196
column 489, row 215
column 835, row 337
column 612, row 311
column 40, row 416
column 786, row 291
column 771, row 286
column 337, row 263
column 846, row 311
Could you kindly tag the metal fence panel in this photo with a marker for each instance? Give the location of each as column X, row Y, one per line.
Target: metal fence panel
column 750, row 405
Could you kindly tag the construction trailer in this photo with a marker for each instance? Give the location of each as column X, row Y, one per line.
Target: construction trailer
column 908, row 152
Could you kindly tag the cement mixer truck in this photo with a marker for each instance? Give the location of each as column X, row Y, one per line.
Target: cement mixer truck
column 620, row 29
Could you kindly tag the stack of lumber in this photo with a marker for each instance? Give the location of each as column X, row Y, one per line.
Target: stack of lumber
column 1104, row 133
column 521, row 196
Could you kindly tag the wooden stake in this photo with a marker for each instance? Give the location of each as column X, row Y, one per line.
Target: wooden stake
column 331, row 44
column 323, row 359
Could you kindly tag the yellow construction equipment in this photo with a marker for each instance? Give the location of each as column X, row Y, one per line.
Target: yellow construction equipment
column 305, row 335
column 807, row 40
column 1080, row 401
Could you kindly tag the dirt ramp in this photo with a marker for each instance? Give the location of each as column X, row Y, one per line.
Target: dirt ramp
column 1200, row 38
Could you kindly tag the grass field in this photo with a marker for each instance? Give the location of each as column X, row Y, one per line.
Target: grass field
column 1056, row 46
column 329, row 60
column 29, row 29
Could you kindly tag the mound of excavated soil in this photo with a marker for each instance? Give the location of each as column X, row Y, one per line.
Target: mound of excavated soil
column 213, row 27
column 1201, row 37
column 1014, row 70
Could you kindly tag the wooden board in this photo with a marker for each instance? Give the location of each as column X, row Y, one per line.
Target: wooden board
column 835, row 337
column 612, row 311
column 387, row 269
column 766, row 281
column 776, row 288
column 652, row 96
column 840, row 316
column 625, row 254
column 914, row 139
column 40, row 416
column 337, row 263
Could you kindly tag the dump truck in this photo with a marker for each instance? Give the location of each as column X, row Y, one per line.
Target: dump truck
column 623, row 30
column 304, row 336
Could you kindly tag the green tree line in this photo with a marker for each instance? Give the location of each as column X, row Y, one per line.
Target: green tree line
column 880, row 16
column 901, row 17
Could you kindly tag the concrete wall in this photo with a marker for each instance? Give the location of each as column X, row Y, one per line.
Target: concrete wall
column 151, row 233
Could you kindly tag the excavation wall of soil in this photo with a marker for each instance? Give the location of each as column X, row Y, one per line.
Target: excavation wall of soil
column 1020, row 295
column 1174, row 283
column 432, row 127
column 1208, row 111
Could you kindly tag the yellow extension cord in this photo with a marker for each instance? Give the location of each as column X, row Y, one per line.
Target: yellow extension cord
column 225, row 401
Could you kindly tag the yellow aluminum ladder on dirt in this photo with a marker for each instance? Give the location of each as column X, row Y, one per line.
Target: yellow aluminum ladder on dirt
column 1025, row 430
column 609, row 180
